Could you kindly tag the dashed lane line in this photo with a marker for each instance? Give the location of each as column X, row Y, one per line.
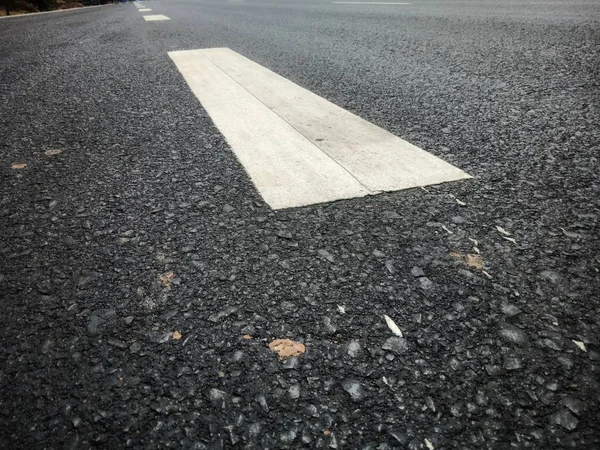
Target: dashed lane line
column 155, row 17
column 298, row 148
column 370, row 3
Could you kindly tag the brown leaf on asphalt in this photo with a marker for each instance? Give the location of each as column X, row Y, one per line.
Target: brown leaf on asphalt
column 176, row 335
column 475, row 261
column 18, row 166
column 247, row 336
column 53, row 152
column 286, row 348
column 456, row 255
column 470, row 259
column 166, row 279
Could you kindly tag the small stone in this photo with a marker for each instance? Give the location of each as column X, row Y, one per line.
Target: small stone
column 288, row 436
column 117, row 343
column 262, row 401
column 294, row 391
column 565, row 419
column 222, row 314
column 354, row 389
column 513, row 334
column 574, row 404
column 417, row 272
column 552, row 344
column 353, row 349
column 98, row 320
column 329, row 326
column 159, row 337
column 389, row 265
column 550, row 275
column 228, row 208
column 510, row 309
column 284, row 234
column 493, row 370
column 390, row 215
column 429, row 403
column 217, row 398
column 249, row 330
column 135, row 347
column 291, row 363
column 326, row 255
column 396, row 345
column 512, row 363
column 426, row 283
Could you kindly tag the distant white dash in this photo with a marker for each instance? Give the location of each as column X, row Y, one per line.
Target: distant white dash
column 370, row 3
column 155, row 17
column 144, row 10
column 298, row 148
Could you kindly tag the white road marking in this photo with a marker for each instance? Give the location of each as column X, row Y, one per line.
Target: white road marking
column 287, row 169
column 155, row 17
column 298, row 148
column 369, row 3
column 144, row 10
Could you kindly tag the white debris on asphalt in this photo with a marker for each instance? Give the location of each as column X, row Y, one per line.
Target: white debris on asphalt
column 392, row 326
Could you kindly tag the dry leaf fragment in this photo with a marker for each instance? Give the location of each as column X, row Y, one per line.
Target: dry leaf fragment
column 392, row 326
column 18, row 166
column 286, row 348
column 429, row 444
column 486, row 274
column 166, row 279
column 326, row 432
column 581, row 345
column 247, row 336
column 570, row 234
column 455, row 255
column 446, row 229
column 502, row 230
column 176, row 335
column 53, row 152
column 509, row 239
column 475, row 261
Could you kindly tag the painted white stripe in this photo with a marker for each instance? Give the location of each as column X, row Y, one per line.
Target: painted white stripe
column 369, row 3
column 155, row 17
column 144, row 10
column 298, row 148
column 287, row 169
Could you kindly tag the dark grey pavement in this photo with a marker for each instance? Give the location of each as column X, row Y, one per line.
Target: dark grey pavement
column 141, row 185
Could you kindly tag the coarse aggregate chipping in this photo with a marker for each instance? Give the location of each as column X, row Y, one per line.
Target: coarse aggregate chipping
column 143, row 278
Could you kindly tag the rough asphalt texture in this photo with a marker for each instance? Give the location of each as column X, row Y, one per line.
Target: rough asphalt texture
column 145, row 185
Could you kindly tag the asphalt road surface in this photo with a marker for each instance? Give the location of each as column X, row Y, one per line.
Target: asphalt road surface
column 143, row 277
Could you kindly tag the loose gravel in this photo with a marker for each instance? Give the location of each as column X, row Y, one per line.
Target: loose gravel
column 143, row 277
